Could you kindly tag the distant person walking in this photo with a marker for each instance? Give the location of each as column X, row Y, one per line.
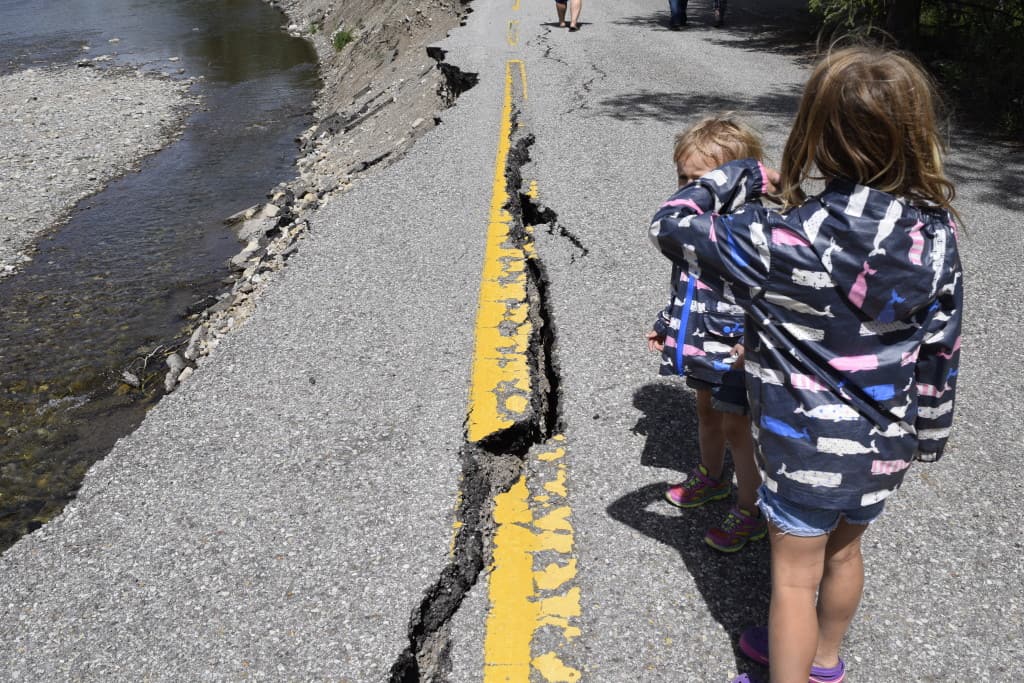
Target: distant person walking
column 719, row 6
column 677, row 14
column 574, row 7
column 856, row 298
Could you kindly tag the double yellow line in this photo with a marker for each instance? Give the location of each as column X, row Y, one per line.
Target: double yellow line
column 501, row 389
column 533, row 525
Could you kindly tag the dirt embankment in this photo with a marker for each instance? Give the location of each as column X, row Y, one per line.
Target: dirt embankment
column 381, row 89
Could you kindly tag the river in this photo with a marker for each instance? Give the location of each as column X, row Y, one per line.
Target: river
column 113, row 285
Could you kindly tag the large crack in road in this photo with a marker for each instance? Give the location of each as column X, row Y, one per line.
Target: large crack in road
column 494, row 464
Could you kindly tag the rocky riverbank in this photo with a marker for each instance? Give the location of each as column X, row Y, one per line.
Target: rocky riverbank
column 382, row 89
column 74, row 129
column 67, row 133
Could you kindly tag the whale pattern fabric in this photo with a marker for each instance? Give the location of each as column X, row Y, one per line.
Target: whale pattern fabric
column 853, row 306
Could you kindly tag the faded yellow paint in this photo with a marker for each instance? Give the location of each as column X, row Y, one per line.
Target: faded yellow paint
column 556, row 520
column 555, row 575
column 569, row 632
column 500, row 358
column 553, row 669
column 567, row 605
column 552, row 455
column 557, row 486
column 511, row 620
column 517, row 403
column 512, row 35
column 525, row 599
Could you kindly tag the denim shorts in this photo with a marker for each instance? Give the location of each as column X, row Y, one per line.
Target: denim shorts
column 799, row 520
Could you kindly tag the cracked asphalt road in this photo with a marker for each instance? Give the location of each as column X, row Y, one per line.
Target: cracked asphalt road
column 283, row 514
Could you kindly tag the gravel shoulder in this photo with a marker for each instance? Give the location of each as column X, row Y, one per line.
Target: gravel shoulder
column 68, row 132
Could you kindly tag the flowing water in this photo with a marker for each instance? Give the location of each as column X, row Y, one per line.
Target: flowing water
column 113, row 285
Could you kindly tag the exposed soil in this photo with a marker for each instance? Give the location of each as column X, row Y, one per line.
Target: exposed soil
column 381, row 90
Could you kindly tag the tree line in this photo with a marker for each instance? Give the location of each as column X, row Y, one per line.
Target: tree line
column 975, row 48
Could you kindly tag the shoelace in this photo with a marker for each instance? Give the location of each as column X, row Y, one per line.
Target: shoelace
column 732, row 521
column 693, row 483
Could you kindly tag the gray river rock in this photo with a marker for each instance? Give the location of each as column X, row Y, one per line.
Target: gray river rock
column 68, row 131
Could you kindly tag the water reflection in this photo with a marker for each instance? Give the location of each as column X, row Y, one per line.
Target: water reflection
column 114, row 283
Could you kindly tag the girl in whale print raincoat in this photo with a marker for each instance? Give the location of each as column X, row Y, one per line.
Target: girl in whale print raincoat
column 855, row 296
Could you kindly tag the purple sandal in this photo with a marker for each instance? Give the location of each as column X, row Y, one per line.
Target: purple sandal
column 754, row 644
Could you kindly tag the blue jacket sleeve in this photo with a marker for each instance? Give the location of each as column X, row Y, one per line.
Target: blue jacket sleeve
column 709, row 228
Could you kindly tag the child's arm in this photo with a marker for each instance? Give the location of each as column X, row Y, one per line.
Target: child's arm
column 718, row 248
column 935, row 372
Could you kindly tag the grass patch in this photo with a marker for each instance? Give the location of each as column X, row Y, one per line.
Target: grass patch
column 341, row 39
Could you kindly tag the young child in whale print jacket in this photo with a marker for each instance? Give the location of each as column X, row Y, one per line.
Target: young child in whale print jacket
column 855, row 298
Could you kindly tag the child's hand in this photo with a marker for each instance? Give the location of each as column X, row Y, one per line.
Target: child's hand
column 655, row 341
column 771, row 179
column 738, row 353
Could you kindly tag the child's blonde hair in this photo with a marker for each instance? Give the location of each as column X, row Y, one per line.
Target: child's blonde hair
column 868, row 115
column 721, row 138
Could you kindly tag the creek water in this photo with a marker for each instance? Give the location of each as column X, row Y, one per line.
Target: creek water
column 114, row 284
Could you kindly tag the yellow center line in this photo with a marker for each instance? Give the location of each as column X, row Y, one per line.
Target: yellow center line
column 512, row 35
column 531, row 583
column 501, row 387
column 532, row 529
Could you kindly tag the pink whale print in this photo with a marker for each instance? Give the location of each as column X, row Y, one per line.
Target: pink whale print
column 855, row 363
column 910, row 356
column 949, row 356
column 689, row 350
column 790, row 239
column 931, row 390
column 688, row 203
column 916, row 244
column 888, row 466
column 860, row 286
column 806, row 382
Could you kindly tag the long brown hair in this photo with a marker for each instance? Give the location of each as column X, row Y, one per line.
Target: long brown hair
column 868, row 114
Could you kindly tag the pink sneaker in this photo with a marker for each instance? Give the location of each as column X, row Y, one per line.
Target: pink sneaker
column 698, row 488
column 738, row 527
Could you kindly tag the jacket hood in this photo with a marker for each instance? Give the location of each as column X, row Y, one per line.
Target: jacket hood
column 888, row 257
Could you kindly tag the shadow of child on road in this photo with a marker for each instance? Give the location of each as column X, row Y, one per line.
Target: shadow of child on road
column 736, row 587
column 669, row 422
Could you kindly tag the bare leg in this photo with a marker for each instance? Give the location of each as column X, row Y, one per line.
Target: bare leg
column 797, row 567
column 741, row 443
column 841, row 588
column 560, row 7
column 801, row 633
column 710, row 435
column 574, row 10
